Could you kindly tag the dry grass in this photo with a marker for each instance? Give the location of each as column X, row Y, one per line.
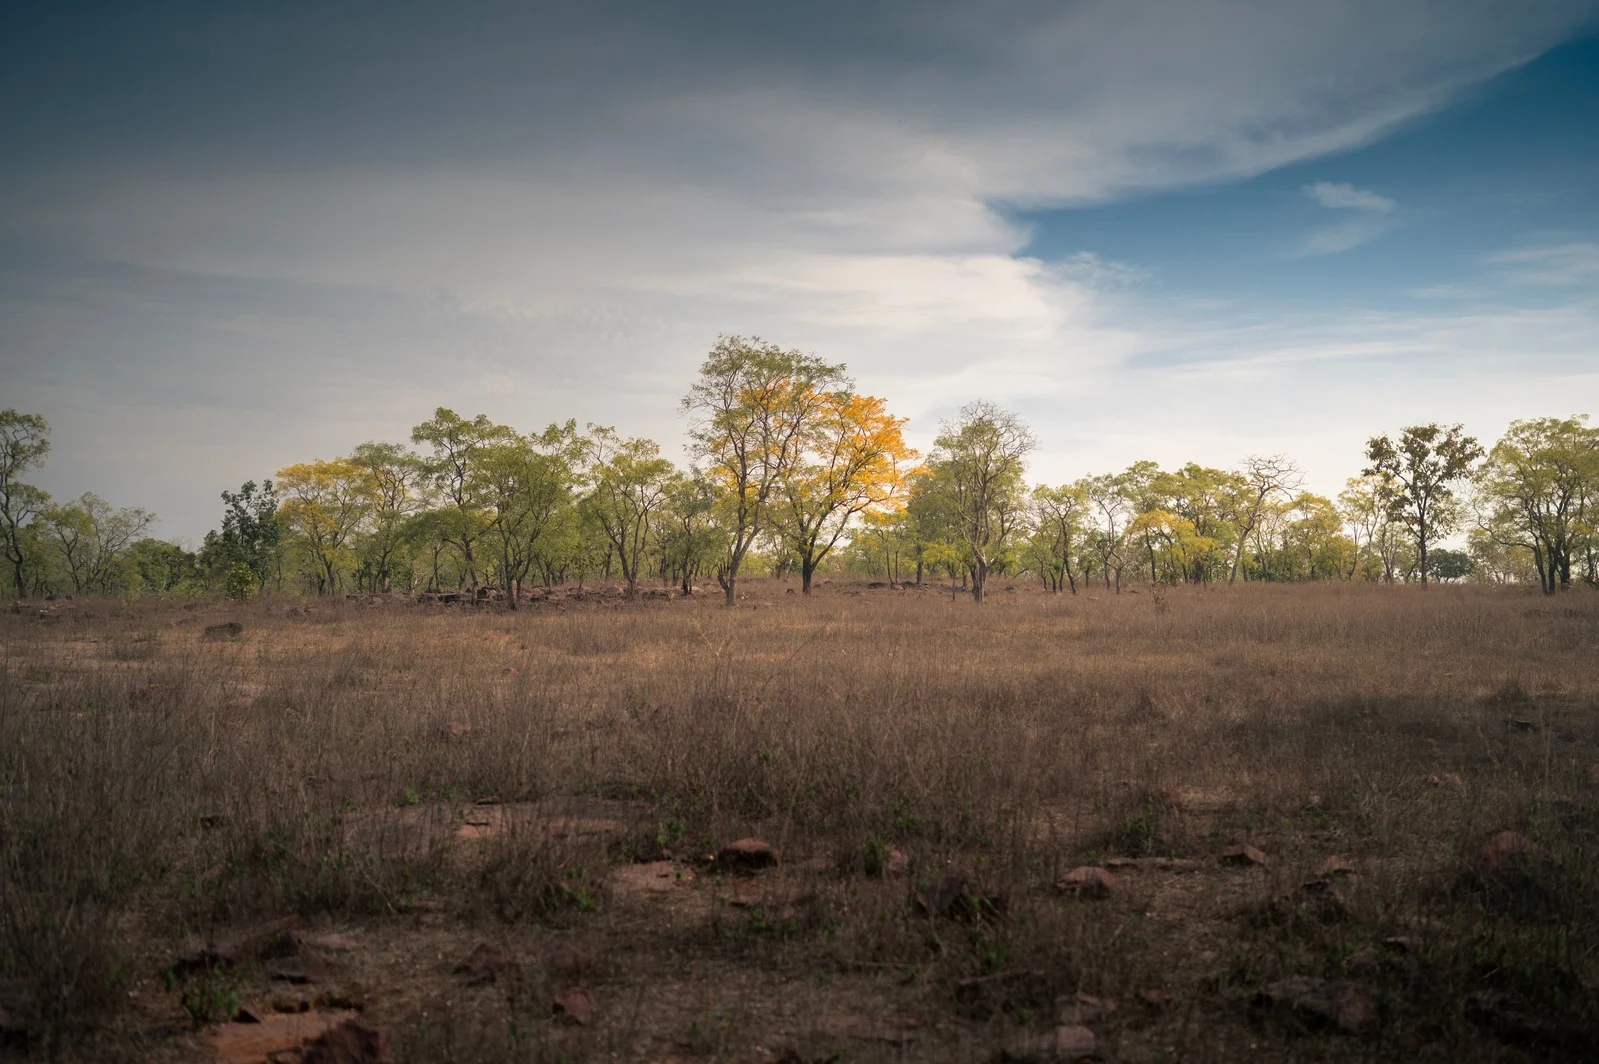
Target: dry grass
column 159, row 790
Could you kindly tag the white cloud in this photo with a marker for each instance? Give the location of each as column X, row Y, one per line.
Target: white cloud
column 1347, row 196
column 570, row 249
column 1562, row 265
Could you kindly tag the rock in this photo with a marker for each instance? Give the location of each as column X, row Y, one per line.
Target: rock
column 268, row 941
column 276, row 1036
column 1079, row 1009
column 227, row 630
column 565, row 960
column 1066, row 1042
column 1506, row 852
column 1593, row 774
column 747, row 855
column 303, row 967
column 455, row 731
column 1335, row 867
column 1243, row 854
column 895, row 1030
column 576, row 1006
column 1341, row 1004
column 1089, row 881
column 1453, row 780
column 1155, row 999
column 351, row 1042
column 954, row 899
column 482, row 964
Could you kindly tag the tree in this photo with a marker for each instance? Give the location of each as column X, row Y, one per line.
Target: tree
column 324, row 504
column 1449, row 564
column 162, row 567
column 1418, row 471
column 631, row 484
column 1058, row 518
column 754, row 404
column 457, row 446
column 24, row 442
column 92, row 539
column 1539, row 487
column 1264, row 478
column 690, row 540
column 394, row 473
column 1112, row 513
column 1372, row 528
column 250, row 533
column 854, row 459
column 978, row 464
column 525, row 486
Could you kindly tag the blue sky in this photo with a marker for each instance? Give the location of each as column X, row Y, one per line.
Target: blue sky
column 235, row 237
column 1512, row 163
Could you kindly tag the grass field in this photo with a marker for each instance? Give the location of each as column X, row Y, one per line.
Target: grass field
column 376, row 789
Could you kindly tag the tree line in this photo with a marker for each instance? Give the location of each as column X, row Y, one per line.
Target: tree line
column 793, row 471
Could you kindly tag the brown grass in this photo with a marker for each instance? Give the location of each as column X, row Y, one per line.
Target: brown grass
column 160, row 791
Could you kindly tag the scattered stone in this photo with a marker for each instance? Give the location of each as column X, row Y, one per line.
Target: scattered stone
column 1452, row 780
column 1089, row 881
column 565, row 960
column 455, row 731
column 1347, row 1006
column 747, row 855
column 954, row 899
column 1078, row 1009
column 1399, row 944
column 351, row 1042
column 1243, row 854
column 301, row 968
column 268, row 941
column 895, row 1030
column 1335, row 867
column 1155, row 999
column 482, row 964
column 1066, row 1042
column 1506, row 852
column 218, row 632
column 576, row 1006
column 1593, row 774
column 1520, row 724
column 273, row 1037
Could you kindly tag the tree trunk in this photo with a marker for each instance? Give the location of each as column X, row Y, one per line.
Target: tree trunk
column 807, row 570
column 979, row 578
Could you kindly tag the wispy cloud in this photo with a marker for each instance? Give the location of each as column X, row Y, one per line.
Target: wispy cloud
column 1556, row 264
column 1372, row 217
column 1342, row 195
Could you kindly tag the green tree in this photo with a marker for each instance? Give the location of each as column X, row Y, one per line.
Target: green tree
column 1538, row 489
column 92, row 540
column 631, row 484
column 1059, row 517
column 394, row 473
column 754, row 404
column 1449, row 564
column 1417, row 472
column 250, row 533
column 24, row 443
column 458, row 445
column 978, row 464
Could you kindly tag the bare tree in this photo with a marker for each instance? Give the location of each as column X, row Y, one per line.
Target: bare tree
column 1265, row 478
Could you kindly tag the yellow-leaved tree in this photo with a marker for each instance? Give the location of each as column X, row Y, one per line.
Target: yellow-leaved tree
column 854, row 460
column 324, row 504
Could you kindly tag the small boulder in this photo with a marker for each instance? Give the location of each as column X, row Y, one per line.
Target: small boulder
column 747, row 855
column 219, row 632
column 482, row 965
column 576, row 1006
column 1335, row 867
column 1066, row 1042
column 1347, row 1006
column 1089, row 881
column 1243, row 855
column 952, row 898
column 351, row 1042
column 1506, row 852
column 565, row 960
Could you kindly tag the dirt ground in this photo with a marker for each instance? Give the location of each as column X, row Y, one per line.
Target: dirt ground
column 875, row 823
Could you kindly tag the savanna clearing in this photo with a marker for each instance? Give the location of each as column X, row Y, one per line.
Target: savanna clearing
column 1260, row 822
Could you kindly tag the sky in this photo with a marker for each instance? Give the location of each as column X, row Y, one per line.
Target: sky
column 238, row 236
